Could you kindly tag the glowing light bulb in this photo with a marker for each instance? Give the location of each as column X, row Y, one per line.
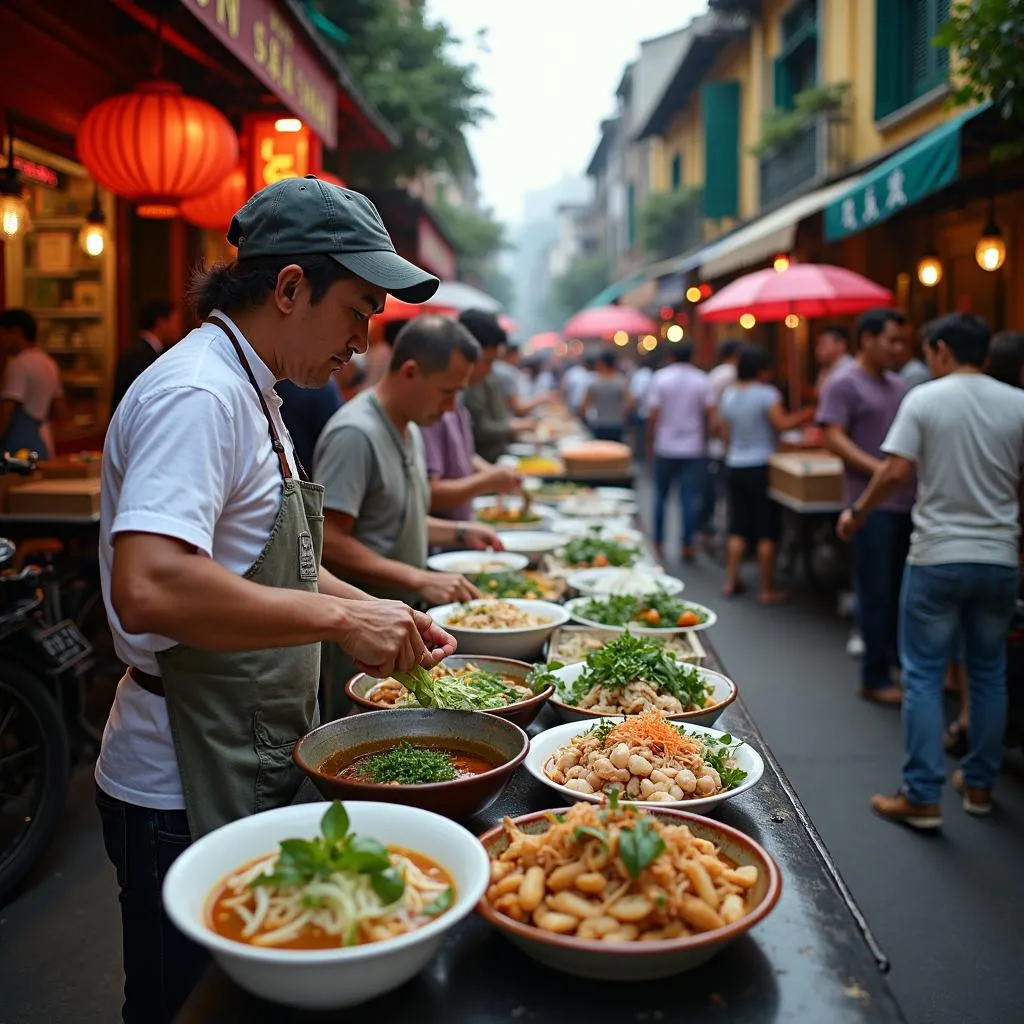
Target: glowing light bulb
column 620, row 338
column 674, row 333
column 990, row 252
column 781, row 263
column 747, row 320
column 929, row 271
column 792, row 320
column 693, row 294
column 14, row 217
column 287, row 124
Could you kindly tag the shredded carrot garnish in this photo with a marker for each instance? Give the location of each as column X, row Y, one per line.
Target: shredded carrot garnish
column 651, row 730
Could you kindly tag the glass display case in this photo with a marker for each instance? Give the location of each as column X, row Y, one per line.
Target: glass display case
column 69, row 292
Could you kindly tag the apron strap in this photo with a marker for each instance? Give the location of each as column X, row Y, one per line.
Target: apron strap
column 275, row 440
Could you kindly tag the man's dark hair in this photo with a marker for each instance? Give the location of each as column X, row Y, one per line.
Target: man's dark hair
column 590, row 362
column 682, row 352
column 729, row 348
column 966, row 336
column 484, row 327
column 841, row 333
column 430, row 340
column 153, row 312
column 752, row 362
column 392, row 329
column 873, row 321
column 19, row 320
column 245, row 284
column 1006, row 357
column 608, row 359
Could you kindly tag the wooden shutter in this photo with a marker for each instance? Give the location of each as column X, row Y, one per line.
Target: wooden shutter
column 677, row 172
column 720, row 115
column 783, row 85
column 891, row 56
column 631, row 214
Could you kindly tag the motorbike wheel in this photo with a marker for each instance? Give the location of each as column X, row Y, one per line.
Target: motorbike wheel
column 34, row 772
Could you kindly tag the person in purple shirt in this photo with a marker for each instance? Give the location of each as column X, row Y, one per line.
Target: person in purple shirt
column 856, row 409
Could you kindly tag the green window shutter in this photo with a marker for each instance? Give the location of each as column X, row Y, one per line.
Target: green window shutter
column 783, row 91
column 720, row 114
column 891, row 55
column 631, row 214
column 677, row 172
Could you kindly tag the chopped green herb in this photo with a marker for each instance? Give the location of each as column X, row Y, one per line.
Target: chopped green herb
column 471, row 691
column 593, row 548
column 715, row 752
column 542, row 676
column 506, row 584
column 652, row 611
column 583, row 831
column 640, row 846
column 441, row 902
column 410, row 766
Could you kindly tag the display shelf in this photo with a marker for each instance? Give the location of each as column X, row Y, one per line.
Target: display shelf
column 66, row 313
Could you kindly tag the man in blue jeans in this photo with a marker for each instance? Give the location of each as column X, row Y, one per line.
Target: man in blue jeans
column 857, row 406
column 964, row 433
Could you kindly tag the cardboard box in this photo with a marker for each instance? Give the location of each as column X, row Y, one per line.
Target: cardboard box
column 812, row 477
column 71, row 467
column 56, row 498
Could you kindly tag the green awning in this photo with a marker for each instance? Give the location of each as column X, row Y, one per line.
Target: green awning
column 615, row 291
column 927, row 165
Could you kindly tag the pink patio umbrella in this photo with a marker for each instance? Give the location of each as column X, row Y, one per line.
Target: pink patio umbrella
column 604, row 321
column 808, row 290
column 542, row 342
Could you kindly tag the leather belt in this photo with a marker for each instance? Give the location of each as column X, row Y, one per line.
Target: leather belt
column 151, row 684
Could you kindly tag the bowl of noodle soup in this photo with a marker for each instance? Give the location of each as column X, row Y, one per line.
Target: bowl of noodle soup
column 364, row 944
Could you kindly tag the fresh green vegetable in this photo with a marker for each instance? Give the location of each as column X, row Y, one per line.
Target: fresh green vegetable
column 628, row 659
column 336, row 850
column 543, row 676
column 582, row 831
column 640, row 846
column 410, row 766
column 471, row 691
column 593, row 549
column 441, row 902
column 717, row 750
column 507, row 584
column 652, row 611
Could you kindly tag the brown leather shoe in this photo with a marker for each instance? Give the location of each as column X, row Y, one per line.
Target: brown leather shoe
column 976, row 801
column 890, row 696
column 925, row 817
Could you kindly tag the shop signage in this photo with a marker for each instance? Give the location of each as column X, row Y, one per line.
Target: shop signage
column 434, row 252
column 38, row 174
column 927, row 165
column 275, row 155
column 263, row 39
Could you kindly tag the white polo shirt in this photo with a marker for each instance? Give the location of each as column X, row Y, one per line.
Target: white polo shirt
column 188, row 456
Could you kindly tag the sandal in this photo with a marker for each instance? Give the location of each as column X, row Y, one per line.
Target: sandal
column 954, row 739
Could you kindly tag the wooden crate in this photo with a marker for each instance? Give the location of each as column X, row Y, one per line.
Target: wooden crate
column 812, row 477
column 55, row 498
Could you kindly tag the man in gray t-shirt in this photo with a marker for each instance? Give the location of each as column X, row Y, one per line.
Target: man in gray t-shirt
column 606, row 402
column 964, row 435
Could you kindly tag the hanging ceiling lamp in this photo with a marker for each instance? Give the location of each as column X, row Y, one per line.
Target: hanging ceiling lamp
column 93, row 237
column 156, row 146
column 213, row 210
column 14, row 216
column 990, row 252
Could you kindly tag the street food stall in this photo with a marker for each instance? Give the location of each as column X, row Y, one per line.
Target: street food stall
column 798, row 945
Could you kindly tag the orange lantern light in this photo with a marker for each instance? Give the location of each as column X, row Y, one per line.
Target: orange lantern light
column 213, row 210
column 156, row 146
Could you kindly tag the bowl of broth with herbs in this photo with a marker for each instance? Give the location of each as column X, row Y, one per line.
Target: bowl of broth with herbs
column 454, row 763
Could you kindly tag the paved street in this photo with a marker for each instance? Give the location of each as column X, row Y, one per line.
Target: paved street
column 947, row 909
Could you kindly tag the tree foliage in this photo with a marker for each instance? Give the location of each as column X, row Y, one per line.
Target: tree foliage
column 584, row 278
column 670, row 222
column 987, row 37
column 404, row 65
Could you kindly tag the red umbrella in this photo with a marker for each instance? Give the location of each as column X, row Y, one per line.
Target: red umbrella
column 604, row 321
column 810, row 290
column 542, row 342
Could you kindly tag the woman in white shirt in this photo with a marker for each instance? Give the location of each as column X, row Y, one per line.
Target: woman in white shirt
column 753, row 414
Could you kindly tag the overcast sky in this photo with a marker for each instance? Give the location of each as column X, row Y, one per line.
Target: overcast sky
column 552, row 73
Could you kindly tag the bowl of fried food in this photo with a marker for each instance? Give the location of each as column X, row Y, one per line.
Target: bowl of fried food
column 497, row 686
column 511, row 628
column 618, row 893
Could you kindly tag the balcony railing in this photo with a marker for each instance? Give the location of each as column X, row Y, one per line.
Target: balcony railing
column 814, row 154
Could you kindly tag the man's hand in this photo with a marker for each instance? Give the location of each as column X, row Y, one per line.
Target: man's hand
column 481, row 538
column 439, row 644
column 446, row 588
column 385, row 636
column 847, row 525
column 504, row 481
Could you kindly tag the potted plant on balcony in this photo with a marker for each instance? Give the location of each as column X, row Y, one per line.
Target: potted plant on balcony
column 781, row 128
column 670, row 222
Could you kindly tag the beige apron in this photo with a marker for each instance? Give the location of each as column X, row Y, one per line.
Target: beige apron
column 410, row 547
column 235, row 715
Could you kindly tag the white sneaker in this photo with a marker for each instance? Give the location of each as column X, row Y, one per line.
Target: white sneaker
column 855, row 646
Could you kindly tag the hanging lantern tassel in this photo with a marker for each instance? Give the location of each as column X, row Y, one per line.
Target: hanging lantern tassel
column 156, row 146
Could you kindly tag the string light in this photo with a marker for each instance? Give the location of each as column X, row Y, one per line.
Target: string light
column 674, row 333
column 781, row 263
column 621, row 338
column 929, row 270
column 649, row 343
column 792, row 320
column 747, row 320
column 693, row 294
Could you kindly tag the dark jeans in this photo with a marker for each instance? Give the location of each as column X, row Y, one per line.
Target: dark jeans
column 689, row 473
column 608, row 432
column 879, row 551
column 975, row 602
column 161, row 966
column 714, row 489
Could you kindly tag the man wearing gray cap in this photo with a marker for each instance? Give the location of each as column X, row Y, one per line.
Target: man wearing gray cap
column 210, row 556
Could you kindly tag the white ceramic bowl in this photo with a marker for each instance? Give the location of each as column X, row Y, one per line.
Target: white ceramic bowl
column 616, row 493
column 593, row 507
column 523, row 644
column 535, row 544
column 544, row 744
column 723, row 692
column 640, row 961
column 641, row 579
column 542, row 512
column 472, row 562
column 324, row 978
column 615, row 528
column 576, row 605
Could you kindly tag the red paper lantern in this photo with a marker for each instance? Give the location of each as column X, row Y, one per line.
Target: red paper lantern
column 156, row 146
column 213, row 210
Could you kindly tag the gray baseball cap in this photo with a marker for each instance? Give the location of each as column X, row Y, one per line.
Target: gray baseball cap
column 307, row 216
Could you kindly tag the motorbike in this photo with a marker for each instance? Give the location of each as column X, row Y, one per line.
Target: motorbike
column 43, row 663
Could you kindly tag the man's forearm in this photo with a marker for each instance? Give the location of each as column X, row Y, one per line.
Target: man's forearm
column 448, row 494
column 358, row 562
column 853, row 456
column 442, row 531
column 886, row 479
column 328, row 583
